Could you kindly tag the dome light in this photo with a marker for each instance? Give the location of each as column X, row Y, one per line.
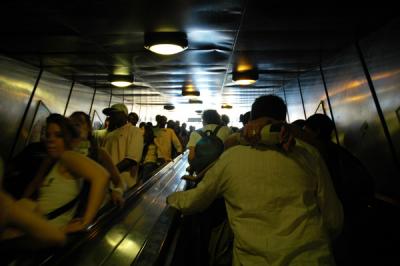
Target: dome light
column 165, row 43
column 190, row 90
column 121, row 80
column 245, row 78
column 226, row 106
column 169, row 107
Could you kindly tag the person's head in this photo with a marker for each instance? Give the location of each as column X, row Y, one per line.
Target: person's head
column 184, row 125
column 299, row 123
column 60, row 135
column 171, row 124
column 118, row 114
column 161, row 121
column 225, row 120
column 142, row 124
column 133, row 118
column 245, row 118
column 211, row 117
column 320, row 125
column 82, row 123
column 270, row 106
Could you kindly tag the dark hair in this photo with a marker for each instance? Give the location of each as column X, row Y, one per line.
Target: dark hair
column 245, row 118
column 82, row 116
column 321, row 123
column 133, row 118
column 148, row 135
column 67, row 128
column 225, row 119
column 269, row 106
column 211, row 117
column 299, row 123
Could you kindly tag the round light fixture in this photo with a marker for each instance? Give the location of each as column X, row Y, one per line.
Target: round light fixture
column 169, row 107
column 190, row 90
column 194, row 101
column 165, row 43
column 121, row 80
column 245, row 78
column 226, row 106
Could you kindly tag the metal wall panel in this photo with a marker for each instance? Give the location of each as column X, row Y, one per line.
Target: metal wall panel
column 314, row 93
column 100, row 102
column 357, row 120
column 293, row 101
column 382, row 54
column 81, row 98
column 16, row 84
column 53, row 91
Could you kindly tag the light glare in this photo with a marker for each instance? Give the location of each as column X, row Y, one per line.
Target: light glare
column 166, row 49
column 121, row 84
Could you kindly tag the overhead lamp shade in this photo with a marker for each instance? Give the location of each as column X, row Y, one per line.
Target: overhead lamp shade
column 226, row 106
column 165, row 43
column 190, row 92
column 192, row 101
column 169, row 107
column 245, row 77
column 121, row 80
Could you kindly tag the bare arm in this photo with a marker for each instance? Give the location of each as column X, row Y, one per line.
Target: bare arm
column 81, row 166
column 118, row 187
column 107, row 163
column 192, row 154
column 30, row 223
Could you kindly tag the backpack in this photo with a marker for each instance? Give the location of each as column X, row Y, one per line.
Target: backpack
column 207, row 149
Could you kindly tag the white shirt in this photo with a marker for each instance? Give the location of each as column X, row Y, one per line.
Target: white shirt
column 282, row 207
column 165, row 138
column 58, row 189
column 125, row 142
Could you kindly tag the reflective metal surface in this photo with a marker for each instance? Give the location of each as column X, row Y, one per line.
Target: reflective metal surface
column 120, row 244
column 383, row 60
column 16, row 83
column 357, row 120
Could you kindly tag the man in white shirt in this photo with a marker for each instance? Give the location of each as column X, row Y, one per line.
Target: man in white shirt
column 124, row 143
column 281, row 206
column 165, row 138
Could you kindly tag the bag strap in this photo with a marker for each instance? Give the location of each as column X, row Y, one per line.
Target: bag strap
column 201, row 133
column 64, row 208
column 215, row 132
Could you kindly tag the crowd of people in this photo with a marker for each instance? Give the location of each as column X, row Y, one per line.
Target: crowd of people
column 285, row 188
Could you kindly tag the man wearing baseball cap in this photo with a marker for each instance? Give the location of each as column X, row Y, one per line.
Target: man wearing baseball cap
column 124, row 143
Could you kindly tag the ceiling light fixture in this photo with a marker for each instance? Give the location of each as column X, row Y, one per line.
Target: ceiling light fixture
column 193, row 101
column 190, row 90
column 226, row 106
column 245, row 77
column 121, row 80
column 165, row 43
column 169, row 107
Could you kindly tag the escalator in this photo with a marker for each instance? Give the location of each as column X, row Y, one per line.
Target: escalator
column 118, row 235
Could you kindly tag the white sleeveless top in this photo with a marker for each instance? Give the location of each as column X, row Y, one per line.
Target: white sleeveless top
column 57, row 190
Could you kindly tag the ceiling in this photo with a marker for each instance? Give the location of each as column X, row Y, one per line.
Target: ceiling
column 87, row 40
